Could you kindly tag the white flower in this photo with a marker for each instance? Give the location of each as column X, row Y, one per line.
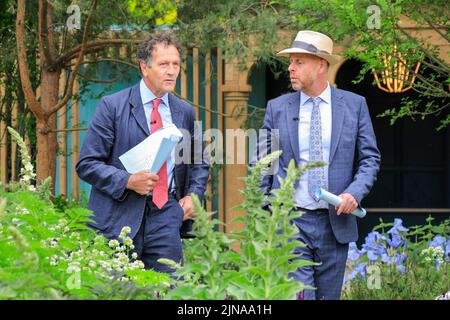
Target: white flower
column 123, row 259
column 26, row 178
column 121, row 248
column 31, row 188
column 29, row 167
column 113, row 243
column 445, row 296
column 73, row 267
column 128, row 242
column 138, row 264
column 134, row 255
column 124, row 232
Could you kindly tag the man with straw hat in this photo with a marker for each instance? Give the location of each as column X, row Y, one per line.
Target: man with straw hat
column 321, row 123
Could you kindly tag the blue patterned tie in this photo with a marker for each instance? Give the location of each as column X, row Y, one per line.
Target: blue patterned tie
column 316, row 176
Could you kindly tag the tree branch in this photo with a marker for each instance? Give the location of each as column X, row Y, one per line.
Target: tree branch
column 129, row 64
column 423, row 49
column 43, row 33
column 433, row 26
column 96, row 44
column 50, row 31
column 24, row 71
column 90, row 79
column 75, row 69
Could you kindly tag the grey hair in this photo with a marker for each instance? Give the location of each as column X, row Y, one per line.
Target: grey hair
column 147, row 46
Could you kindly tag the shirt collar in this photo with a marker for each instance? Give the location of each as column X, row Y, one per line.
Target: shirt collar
column 147, row 95
column 325, row 95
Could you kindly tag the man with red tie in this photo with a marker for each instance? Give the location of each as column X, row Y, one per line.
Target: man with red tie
column 153, row 205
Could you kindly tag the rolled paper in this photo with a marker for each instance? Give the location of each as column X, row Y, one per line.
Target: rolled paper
column 334, row 200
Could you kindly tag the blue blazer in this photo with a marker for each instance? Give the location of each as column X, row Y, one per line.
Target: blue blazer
column 118, row 125
column 354, row 157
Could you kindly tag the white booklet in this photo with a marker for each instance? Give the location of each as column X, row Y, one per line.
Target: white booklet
column 151, row 153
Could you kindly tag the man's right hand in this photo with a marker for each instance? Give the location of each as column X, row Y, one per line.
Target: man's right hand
column 142, row 182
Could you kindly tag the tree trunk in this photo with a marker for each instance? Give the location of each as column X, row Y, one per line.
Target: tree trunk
column 46, row 127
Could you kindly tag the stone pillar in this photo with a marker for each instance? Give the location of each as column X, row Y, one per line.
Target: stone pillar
column 236, row 93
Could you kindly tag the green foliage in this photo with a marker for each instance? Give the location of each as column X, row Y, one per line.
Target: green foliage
column 216, row 269
column 48, row 252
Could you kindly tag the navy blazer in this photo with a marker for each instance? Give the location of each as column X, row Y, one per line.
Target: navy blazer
column 118, row 125
column 354, row 157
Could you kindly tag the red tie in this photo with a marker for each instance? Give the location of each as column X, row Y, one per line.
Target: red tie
column 160, row 191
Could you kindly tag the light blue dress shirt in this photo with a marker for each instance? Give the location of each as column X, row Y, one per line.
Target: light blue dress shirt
column 302, row 196
column 147, row 97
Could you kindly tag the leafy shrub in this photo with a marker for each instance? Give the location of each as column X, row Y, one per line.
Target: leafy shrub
column 259, row 269
column 48, row 252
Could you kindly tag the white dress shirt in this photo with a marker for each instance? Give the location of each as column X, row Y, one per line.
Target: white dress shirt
column 302, row 197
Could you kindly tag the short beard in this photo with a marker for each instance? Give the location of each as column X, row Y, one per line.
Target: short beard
column 297, row 86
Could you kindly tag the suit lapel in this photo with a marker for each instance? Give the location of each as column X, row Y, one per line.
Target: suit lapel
column 176, row 111
column 138, row 109
column 337, row 119
column 293, row 108
column 178, row 120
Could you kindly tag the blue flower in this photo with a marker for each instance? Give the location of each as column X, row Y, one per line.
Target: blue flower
column 351, row 276
column 401, row 268
column 438, row 241
column 399, row 259
column 372, row 255
column 353, row 253
column 360, row 269
column 385, row 258
column 372, row 240
column 447, row 251
column 396, row 240
column 398, row 226
column 438, row 263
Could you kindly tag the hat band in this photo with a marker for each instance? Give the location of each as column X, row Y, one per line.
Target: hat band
column 308, row 47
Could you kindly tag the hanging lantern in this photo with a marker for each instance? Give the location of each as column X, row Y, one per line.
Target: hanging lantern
column 396, row 77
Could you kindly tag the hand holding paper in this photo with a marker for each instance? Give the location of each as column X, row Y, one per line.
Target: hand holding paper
column 151, row 153
column 334, row 200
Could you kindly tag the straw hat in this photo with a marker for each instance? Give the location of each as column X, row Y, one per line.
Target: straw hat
column 314, row 43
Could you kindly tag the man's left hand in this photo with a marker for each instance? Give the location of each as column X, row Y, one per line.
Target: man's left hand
column 188, row 207
column 348, row 204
